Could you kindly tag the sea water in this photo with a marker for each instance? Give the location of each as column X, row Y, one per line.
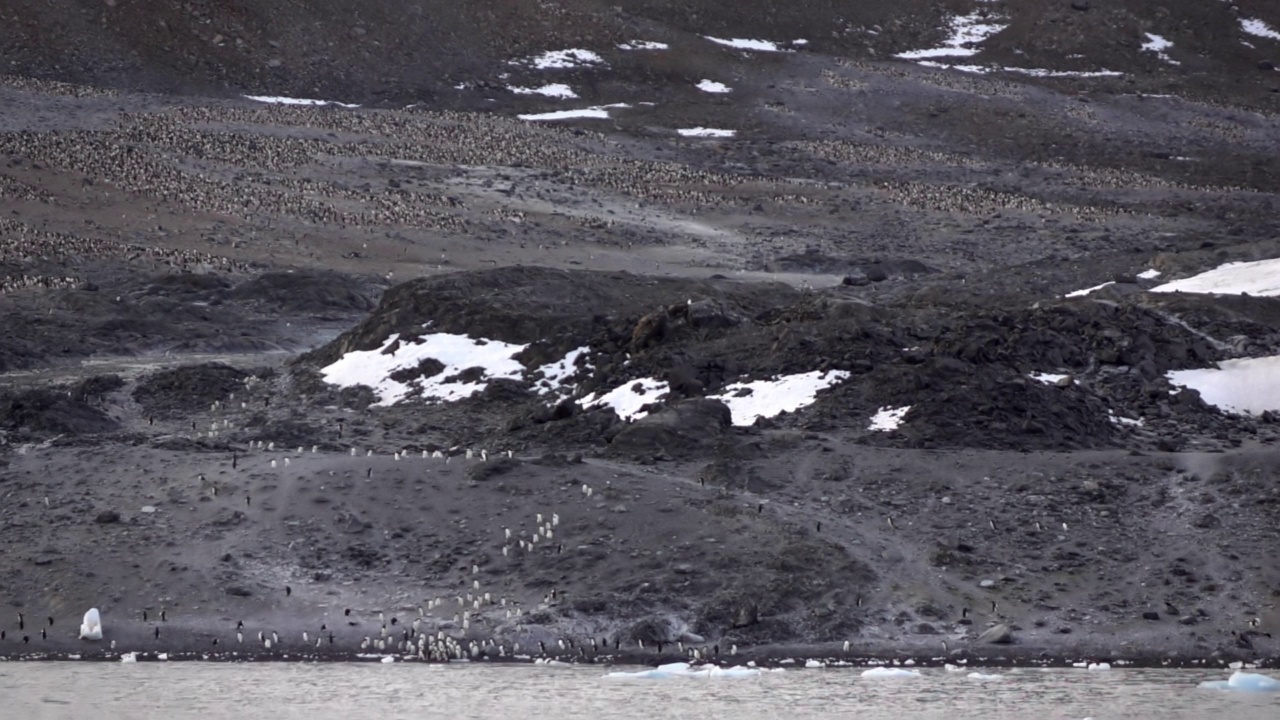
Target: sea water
column 209, row 691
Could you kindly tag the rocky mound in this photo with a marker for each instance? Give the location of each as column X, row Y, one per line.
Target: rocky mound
column 44, row 412
column 188, row 388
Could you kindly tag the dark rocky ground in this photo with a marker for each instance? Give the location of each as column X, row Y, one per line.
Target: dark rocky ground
column 177, row 264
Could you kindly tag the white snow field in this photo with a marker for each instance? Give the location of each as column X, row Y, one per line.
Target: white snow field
column 711, row 86
column 1260, row 277
column 1159, row 45
column 627, row 400
column 768, row 398
column 456, row 352
column 555, row 376
column 91, row 625
column 1244, row 682
column 643, row 45
column 706, row 132
column 685, row 670
column 888, row 418
column 557, row 59
column 1249, row 385
column 598, row 112
column 746, row 44
column 1257, row 28
column 275, row 100
column 888, row 673
column 553, row 90
column 966, row 31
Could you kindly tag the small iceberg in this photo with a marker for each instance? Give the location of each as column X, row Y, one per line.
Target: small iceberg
column 1244, row 682
column 1098, row 666
column 130, row 657
column 91, row 626
column 685, row 670
column 985, row 677
column 883, row 672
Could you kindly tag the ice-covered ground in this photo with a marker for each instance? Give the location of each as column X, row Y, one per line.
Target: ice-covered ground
column 643, row 45
column 556, row 59
column 888, row 418
column 555, row 90
column 628, row 399
column 1260, row 277
column 747, row 44
column 768, row 398
column 276, row 100
column 966, row 32
column 555, row 375
column 706, row 132
column 1159, row 45
column 711, row 86
column 1250, row 385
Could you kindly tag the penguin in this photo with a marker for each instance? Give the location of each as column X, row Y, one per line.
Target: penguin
column 819, row 526
column 164, row 617
column 993, row 607
column 50, row 621
column 240, row 625
column 157, row 632
column 347, row 612
column 288, row 591
column 239, row 637
column 964, row 612
column 992, row 523
column 235, row 461
column 144, row 616
column 891, row 525
column 44, row 634
column 247, row 500
column 22, row 621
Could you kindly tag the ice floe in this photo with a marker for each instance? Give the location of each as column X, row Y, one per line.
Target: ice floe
column 91, row 625
column 883, row 672
column 598, row 112
column 1259, row 28
column 628, row 399
column 746, row 44
column 711, row 86
column 767, row 398
column 1158, row 45
column 553, row 90
column 557, row 59
column 985, row 677
column 1098, row 667
column 888, row 418
column 374, row 368
column 276, row 100
column 643, row 45
column 1244, row 682
column 706, row 132
column 1248, row 385
column 1260, row 277
column 685, row 670
column 966, row 31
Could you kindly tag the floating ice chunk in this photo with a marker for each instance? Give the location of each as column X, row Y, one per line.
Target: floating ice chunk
column 711, row 86
column 374, row 368
column 275, row 100
column 553, row 90
column 746, row 44
column 685, row 670
column 129, row 657
column 387, row 660
column 768, row 398
column 628, row 399
column 883, row 672
column 91, row 625
column 1244, row 682
column 1260, row 277
column 554, row 59
column 966, row 31
column 643, row 45
column 706, row 132
column 985, row 677
column 888, row 418
column 814, row 663
column 1259, row 28
column 952, row 668
column 1149, row 274
column 1249, row 385
column 1089, row 290
column 1097, row 667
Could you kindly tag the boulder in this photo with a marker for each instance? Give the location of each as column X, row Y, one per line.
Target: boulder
column 997, row 635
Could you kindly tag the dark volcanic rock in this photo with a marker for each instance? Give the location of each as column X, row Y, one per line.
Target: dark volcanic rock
column 686, row 428
column 188, row 388
column 51, row 411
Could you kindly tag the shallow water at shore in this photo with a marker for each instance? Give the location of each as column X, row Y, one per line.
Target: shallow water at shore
column 213, row 691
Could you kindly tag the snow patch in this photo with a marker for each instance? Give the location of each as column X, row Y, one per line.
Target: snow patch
column 706, row 132
column 1249, row 385
column 555, row 376
column 554, row 90
column 628, row 400
column 1089, row 290
column 711, row 86
column 1259, row 29
column 746, row 44
column 643, row 45
column 1149, row 274
column 275, row 100
column 888, row 418
column 599, row 112
column 966, row 31
column 1033, row 72
column 557, row 59
column 1048, row 378
column 1158, row 45
column 768, row 398
column 1261, row 277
